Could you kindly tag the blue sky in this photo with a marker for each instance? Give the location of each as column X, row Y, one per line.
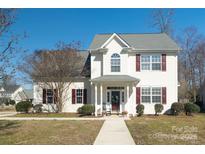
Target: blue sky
column 45, row 27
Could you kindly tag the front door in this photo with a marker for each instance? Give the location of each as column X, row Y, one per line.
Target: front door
column 115, row 100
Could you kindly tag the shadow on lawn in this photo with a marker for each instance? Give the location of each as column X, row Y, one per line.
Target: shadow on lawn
column 7, row 125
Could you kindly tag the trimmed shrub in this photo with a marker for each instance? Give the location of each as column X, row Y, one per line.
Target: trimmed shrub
column 177, row 108
column 79, row 110
column 23, row 106
column 38, row 108
column 6, row 102
column 158, row 108
column 191, row 108
column 12, row 102
column 140, row 109
column 87, row 109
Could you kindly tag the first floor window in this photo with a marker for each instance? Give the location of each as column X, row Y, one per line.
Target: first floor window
column 49, row 96
column 108, row 96
column 79, row 96
column 151, row 95
column 123, row 96
column 156, row 95
column 146, row 95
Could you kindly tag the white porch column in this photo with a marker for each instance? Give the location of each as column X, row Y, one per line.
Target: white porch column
column 127, row 104
column 101, row 98
column 96, row 99
column 133, row 98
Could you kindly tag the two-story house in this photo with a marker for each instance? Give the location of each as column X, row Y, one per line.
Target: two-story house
column 125, row 70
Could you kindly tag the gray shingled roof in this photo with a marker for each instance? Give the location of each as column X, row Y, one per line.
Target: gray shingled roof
column 115, row 78
column 160, row 41
column 10, row 88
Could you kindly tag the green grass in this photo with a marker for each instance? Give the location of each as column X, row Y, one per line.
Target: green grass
column 164, row 129
column 49, row 132
column 50, row 115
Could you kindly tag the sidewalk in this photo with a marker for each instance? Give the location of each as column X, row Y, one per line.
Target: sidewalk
column 6, row 114
column 46, row 118
column 114, row 132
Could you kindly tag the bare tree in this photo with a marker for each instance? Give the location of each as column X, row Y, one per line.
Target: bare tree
column 162, row 20
column 8, row 42
column 55, row 70
column 192, row 60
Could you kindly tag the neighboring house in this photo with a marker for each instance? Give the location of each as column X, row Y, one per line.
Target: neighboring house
column 125, row 70
column 13, row 92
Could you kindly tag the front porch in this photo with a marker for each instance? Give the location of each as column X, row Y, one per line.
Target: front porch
column 114, row 94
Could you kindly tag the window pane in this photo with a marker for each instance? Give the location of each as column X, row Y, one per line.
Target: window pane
column 145, row 91
column 115, row 69
column 145, row 58
column 156, row 58
column 156, row 66
column 123, row 96
column 156, row 99
column 79, row 99
column 49, row 96
column 146, row 99
column 156, row 91
column 145, row 66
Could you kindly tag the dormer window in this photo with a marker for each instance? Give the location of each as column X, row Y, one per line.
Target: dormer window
column 115, row 62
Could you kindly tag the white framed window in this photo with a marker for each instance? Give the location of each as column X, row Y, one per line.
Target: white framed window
column 151, row 62
column 123, row 96
column 151, row 95
column 145, row 62
column 156, row 95
column 115, row 62
column 79, row 96
column 146, row 95
column 49, row 95
column 108, row 96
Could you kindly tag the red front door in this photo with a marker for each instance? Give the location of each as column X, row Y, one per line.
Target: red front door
column 115, row 100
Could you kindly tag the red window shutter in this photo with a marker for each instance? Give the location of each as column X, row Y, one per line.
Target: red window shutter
column 85, row 96
column 44, row 96
column 137, row 95
column 55, row 95
column 163, row 62
column 137, row 62
column 73, row 96
column 164, row 95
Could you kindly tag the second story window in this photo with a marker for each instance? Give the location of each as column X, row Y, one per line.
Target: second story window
column 115, row 63
column 151, row 62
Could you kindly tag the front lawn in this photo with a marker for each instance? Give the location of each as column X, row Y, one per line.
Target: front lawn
column 49, row 132
column 168, row 129
column 51, row 115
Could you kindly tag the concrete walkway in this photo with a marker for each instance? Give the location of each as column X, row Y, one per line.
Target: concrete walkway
column 6, row 114
column 114, row 132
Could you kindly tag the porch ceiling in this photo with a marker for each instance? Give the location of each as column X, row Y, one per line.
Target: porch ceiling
column 115, row 78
